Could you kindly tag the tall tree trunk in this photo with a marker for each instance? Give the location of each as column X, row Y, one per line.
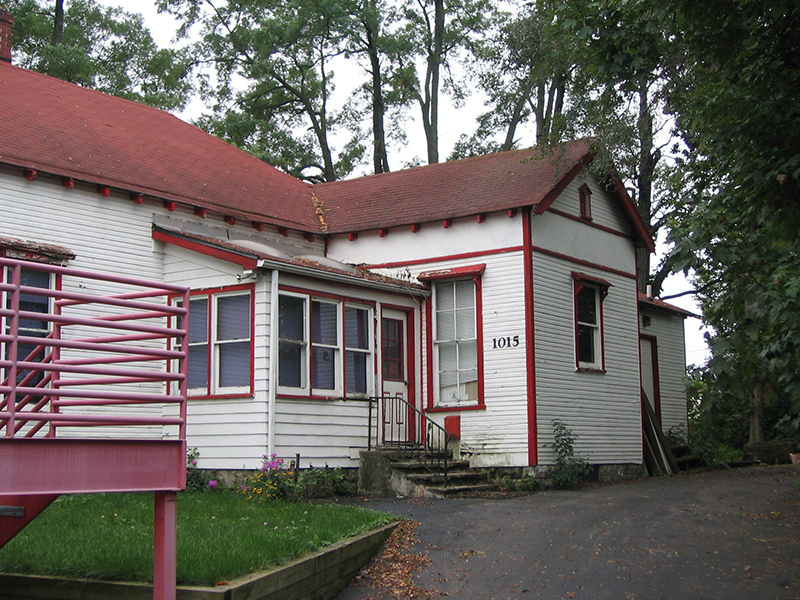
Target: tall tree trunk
column 58, row 24
column 756, row 413
column 380, row 161
column 434, row 67
column 516, row 116
column 648, row 158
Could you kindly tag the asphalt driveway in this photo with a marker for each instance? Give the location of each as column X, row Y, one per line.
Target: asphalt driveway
column 732, row 535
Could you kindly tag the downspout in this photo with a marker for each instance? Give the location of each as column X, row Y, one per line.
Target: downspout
column 272, row 390
column 530, row 347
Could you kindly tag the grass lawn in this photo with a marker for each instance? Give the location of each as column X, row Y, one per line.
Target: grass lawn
column 221, row 536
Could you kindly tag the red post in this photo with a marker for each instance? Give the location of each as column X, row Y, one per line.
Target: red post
column 165, row 546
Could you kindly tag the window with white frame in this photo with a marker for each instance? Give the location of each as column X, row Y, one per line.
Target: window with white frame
column 324, row 346
column 220, row 358
column 589, row 295
column 455, row 341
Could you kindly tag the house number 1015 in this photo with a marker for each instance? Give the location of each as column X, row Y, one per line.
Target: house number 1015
column 512, row 341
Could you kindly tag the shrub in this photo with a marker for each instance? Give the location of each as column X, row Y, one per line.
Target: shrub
column 275, row 482
column 570, row 469
column 518, row 484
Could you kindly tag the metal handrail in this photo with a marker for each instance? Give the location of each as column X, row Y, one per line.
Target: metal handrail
column 402, row 425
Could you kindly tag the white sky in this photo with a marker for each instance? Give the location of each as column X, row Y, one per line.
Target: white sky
column 454, row 122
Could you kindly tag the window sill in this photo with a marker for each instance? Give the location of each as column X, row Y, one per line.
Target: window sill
column 441, row 409
column 589, row 370
column 219, row 396
column 301, row 396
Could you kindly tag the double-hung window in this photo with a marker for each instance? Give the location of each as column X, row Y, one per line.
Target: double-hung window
column 324, row 346
column 456, row 335
column 589, row 295
column 220, row 342
column 456, row 342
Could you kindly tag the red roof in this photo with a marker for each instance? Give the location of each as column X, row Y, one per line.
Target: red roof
column 447, row 190
column 66, row 130
column 60, row 128
column 461, row 188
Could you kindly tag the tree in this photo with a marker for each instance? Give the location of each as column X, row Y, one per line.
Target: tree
column 272, row 61
column 625, row 62
column 101, row 48
column 368, row 38
column 524, row 70
column 735, row 99
column 434, row 31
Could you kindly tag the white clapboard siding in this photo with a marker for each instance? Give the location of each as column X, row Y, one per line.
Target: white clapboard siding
column 229, row 433
column 602, row 409
column 465, row 235
column 323, row 432
column 498, row 435
column 671, row 348
column 108, row 235
column 605, row 212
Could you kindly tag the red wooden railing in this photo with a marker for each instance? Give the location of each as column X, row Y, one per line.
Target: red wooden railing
column 107, row 352
column 105, row 349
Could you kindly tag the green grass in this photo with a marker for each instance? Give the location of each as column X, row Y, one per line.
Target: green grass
column 221, row 536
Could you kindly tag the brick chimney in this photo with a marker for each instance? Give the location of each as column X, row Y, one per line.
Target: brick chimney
column 6, row 25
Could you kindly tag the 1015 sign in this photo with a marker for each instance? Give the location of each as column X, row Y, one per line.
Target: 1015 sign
column 510, row 341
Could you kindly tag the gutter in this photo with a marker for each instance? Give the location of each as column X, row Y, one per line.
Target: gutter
column 265, row 263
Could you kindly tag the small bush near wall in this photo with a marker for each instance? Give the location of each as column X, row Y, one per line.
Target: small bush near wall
column 570, row 469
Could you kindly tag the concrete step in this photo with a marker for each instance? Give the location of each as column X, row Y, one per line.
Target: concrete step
column 455, row 490
column 453, row 478
column 414, row 465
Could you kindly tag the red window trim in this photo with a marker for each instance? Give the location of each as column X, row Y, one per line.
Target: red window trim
column 208, row 292
column 602, row 287
column 476, row 272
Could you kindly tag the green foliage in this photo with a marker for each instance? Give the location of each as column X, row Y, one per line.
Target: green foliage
column 101, row 48
column 518, row 484
column 570, row 469
column 736, row 105
column 220, row 536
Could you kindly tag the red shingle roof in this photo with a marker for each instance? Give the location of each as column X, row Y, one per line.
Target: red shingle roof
column 448, row 190
column 63, row 129
column 60, row 128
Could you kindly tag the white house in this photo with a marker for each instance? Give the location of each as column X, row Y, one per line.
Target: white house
column 496, row 292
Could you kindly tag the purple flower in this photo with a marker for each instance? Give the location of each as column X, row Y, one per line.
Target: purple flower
column 212, row 483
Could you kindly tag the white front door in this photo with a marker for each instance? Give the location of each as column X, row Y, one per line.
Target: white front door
column 396, row 417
